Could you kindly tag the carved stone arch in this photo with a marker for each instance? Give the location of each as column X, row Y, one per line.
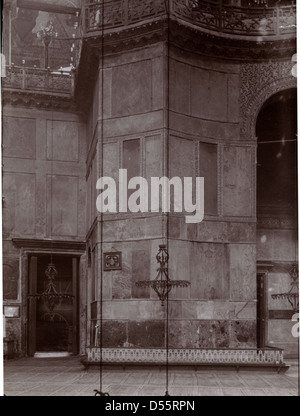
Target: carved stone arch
column 265, row 94
column 260, row 82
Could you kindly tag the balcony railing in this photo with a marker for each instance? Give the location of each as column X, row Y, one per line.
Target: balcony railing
column 38, row 80
column 210, row 15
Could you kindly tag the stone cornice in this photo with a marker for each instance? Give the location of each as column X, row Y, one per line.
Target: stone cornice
column 48, row 244
column 230, row 49
column 191, row 39
column 41, row 101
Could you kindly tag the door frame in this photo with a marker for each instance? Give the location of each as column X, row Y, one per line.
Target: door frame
column 262, row 304
column 32, row 303
column 35, row 247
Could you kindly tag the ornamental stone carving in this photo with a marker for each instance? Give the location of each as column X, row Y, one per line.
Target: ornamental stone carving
column 259, row 81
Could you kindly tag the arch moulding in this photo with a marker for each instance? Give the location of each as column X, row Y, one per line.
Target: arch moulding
column 259, row 81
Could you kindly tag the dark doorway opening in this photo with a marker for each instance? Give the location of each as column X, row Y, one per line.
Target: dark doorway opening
column 53, row 330
column 277, row 194
column 276, row 131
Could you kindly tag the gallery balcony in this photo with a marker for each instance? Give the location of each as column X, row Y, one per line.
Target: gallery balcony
column 216, row 17
column 38, row 80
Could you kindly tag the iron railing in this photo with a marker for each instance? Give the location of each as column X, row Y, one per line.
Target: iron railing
column 37, row 79
column 211, row 15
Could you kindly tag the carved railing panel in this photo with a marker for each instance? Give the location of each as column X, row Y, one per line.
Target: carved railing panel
column 118, row 13
column 271, row 356
column 210, row 15
column 36, row 79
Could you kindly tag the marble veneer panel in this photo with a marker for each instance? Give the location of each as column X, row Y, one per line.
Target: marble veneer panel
column 114, row 334
column 19, row 137
column 212, row 231
column 242, row 334
column 242, row 272
column 237, row 174
column 144, row 334
column 209, row 278
column 199, row 334
column 131, row 88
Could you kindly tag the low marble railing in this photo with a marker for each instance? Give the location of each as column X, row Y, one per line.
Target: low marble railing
column 272, row 356
column 37, row 80
column 206, row 14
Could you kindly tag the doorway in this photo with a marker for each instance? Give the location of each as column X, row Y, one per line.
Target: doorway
column 53, row 320
column 277, row 213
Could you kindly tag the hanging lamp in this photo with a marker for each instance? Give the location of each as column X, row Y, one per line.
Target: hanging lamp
column 292, row 296
column 162, row 284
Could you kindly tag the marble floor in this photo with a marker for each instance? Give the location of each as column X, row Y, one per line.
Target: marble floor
column 67, row 377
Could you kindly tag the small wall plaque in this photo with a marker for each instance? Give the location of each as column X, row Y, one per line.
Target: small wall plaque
column 112, row 261
column 11, row 311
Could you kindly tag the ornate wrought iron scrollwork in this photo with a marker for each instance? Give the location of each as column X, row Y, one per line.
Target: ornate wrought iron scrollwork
column 292, row 296
column 100, row 393
column 51, row 296
column 162, row 284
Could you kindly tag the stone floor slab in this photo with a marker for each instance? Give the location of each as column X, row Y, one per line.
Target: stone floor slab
column 67, row 377
column 207, row 380
column 230, row 380
column 232, row 392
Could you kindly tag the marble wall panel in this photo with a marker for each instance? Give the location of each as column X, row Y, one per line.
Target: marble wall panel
column 62, row 140
column 157, row 83
column 14, row 332
column 209, row 276
column 241, row 232
column 140, row 271
column 237, row 174
column 179, row 87
column 233, row 110
column 138, row 309
column 134, row 228
column 116, row 310
column 201, row 128
column 146, row 334
column 142, row 310
column 199, row 334
column 181, row 157
column 114, row 334
column 19, row 193
column 153, row 156
column 64, row 207
column 242, row 334
column 242, row 310
column 107, row 92
column 179, row 268
column 117, row 283
column 242, row 271
column 124, row 229
column 111, row 164
column 121, row 285
column 19, row 137
column 131, row 88
column 10, row 271
column 212, row 231
column 208, row 94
